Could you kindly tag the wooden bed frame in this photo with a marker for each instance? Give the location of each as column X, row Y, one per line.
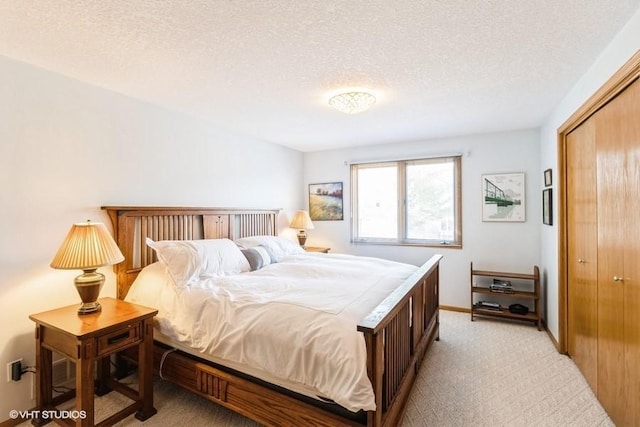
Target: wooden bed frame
column 397, row 332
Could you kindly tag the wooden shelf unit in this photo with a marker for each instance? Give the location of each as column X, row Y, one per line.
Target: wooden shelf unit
column 534, row 316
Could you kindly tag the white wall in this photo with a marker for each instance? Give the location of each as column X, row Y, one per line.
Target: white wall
column 67, row 148
column 621, row 48
column 490, row 245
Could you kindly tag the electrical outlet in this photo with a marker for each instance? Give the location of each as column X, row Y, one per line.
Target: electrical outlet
column 10, row 369
column 16, row 371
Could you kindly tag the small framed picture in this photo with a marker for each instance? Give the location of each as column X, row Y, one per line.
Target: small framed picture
column 547, row 178
column 547, row 207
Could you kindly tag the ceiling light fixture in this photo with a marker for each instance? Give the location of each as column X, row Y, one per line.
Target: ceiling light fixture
column 352, row 102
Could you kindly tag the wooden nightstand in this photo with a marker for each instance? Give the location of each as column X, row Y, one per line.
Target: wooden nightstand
column 90, row 338
column 316, row 249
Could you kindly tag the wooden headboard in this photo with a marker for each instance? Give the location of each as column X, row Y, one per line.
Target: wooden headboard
column 133, row 224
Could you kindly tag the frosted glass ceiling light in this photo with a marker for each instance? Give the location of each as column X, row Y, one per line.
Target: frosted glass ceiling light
column 352, row 102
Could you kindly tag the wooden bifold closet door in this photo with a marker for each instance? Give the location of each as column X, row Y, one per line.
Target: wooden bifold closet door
column 603, row 207
column 583, row 251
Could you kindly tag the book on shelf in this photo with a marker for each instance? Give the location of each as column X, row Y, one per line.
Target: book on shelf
column 501, row 286
column 488, row 305
column 501, row 290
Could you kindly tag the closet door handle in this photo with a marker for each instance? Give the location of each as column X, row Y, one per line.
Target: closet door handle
column 618, row 279
column 581, row 261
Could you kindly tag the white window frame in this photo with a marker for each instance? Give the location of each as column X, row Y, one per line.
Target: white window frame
column 401, row 238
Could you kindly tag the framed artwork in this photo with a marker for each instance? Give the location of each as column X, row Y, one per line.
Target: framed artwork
column 547, row 178
column 325, row 201
column 547, row 206
column 503, row 197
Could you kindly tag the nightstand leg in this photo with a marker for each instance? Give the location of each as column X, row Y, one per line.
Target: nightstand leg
column 104, row 373
column 44, row 378
column 145, row 372
column 84, row 384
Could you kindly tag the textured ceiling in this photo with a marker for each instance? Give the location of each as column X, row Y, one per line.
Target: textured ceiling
column 266, row 68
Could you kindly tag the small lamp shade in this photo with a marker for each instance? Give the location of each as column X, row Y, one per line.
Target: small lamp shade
column 88, row 245
column 302, row 221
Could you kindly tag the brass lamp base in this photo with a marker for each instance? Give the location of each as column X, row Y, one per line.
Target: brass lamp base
column 302, row 237
column 88, row 286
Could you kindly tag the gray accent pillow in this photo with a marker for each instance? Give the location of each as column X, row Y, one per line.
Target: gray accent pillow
column 258, row 257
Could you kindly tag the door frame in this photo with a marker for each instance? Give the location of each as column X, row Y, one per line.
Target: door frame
column 620, row 80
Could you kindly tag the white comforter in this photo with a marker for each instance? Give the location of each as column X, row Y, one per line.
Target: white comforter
column 295, row 319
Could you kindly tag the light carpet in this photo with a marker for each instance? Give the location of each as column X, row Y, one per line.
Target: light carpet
column 481, row 373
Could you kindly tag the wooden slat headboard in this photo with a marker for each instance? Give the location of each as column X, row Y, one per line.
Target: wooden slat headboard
column 133, row 224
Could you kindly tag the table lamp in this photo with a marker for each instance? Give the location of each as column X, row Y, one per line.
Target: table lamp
column 88, row 245
column 302, row 222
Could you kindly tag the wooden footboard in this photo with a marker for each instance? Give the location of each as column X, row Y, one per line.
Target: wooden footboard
column 397, row 332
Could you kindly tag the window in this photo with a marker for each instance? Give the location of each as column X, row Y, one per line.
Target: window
column 409, row 202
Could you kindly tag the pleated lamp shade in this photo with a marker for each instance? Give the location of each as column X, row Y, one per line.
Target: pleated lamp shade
column 87, row 246
column 301, row 220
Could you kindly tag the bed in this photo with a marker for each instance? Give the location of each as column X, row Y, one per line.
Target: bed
column 397, row 331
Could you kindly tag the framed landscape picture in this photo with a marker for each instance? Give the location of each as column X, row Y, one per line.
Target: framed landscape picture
column 325, row 201
column 503, row 197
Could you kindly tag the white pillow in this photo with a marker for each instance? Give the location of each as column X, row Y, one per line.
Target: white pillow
column 278, row 246
column 146, row 289
column 192, row 260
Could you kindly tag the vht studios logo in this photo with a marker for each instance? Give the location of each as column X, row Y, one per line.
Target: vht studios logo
column 49, row 414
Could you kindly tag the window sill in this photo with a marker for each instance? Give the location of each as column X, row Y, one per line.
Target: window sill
column 423, row 245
